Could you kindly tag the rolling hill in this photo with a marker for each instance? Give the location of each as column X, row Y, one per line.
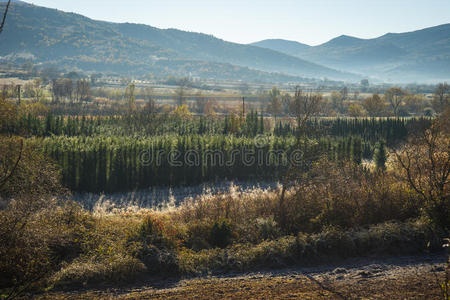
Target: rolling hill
column 284, row 46
column 70, row 40
column 422, row 55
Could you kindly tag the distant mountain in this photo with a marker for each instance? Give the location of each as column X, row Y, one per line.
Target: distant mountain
column 14, row 1
column 289, row 47
column 66, row 39
column 422, row 55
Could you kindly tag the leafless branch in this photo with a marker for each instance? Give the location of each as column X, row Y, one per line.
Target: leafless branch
column 5, row 179
column 4, row 16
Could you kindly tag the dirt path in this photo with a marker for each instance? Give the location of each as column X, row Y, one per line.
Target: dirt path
column 389, row 278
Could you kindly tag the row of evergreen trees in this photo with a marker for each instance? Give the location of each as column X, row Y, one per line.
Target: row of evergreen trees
column 391, row 130
column 119, row 163
column 57, row 125
column 369, row 129
column 111, row 164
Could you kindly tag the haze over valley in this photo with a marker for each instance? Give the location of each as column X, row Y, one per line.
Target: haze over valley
column 47, row 36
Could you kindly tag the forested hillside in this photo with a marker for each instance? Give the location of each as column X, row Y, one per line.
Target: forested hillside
column 45, row 35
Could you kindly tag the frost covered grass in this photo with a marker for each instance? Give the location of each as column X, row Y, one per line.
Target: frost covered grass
column 349, row 214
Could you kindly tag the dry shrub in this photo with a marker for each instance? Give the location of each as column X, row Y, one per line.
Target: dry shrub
column 330, row 194
column 37, row 232
column 243, row 210
column 154, row 243
column 36, row 240
column 90, row 270
column 42, row 234
column 329, row 213
column 424, row 164
column 309, row 249
column 33, row 176
column 106, row 255
column 346, row 195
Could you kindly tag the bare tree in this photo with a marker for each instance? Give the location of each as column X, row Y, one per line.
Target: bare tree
column 441, row 99
column 68, row 88
column 129, row 97
column 374, row 105
column 303, row 108
column 83, row 90
column 286, row 101
column 275, row 105
column 424, row 164
column 180, row 94
column 34, row 90
column 4, row 16
column 62, row 88
column 338, row 101
column 8, row 148
column 150, row 105
column 200, row 102
column 395, row 97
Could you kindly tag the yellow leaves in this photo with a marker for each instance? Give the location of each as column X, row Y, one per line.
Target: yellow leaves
column 356, row 110
column 34, row 109
column 8, row 114
column 182, row 112
column 104, row 250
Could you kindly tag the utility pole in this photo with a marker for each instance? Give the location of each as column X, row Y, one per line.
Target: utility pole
column 18, row 93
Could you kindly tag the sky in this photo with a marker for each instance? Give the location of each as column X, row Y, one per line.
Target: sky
column 308, row 21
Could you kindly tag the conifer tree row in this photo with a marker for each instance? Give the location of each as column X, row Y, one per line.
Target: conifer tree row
column 111, row 164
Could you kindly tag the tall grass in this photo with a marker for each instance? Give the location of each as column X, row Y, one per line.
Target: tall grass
column 336, row 211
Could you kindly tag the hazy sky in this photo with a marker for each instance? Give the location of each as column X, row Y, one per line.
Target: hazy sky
column 308, row 21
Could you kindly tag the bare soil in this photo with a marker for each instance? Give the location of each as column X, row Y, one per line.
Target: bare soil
column 406, row 277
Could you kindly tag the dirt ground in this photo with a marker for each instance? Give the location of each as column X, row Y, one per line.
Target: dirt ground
column 412, row 277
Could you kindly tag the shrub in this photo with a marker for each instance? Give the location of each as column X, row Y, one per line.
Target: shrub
column 348, row 196
column 198, row 234
column 158, row 260
column 36, row 243
column 85, row 271
column 221, row 234
column 155, row 245
column 307, row 249
column 334, row 242
column 267, row 228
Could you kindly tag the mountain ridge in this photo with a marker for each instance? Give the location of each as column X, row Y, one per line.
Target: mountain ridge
column 415, row 52
column 286, row 46
column 56, row 37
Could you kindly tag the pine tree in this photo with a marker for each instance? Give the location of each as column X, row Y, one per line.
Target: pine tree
column 261, row 124
column 49, row 124
column 226, row 125
column 380, row 155
column 357, row 150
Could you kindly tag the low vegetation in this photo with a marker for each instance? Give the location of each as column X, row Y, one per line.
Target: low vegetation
column 351, row 174
column 335, row 210
column 363, row 186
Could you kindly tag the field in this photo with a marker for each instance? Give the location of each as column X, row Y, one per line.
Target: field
column 392, row 278
column 138, row 162
column 337, row 180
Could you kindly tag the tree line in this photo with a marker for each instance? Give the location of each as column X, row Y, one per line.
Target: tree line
column 369, row 129
column 112, row 164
